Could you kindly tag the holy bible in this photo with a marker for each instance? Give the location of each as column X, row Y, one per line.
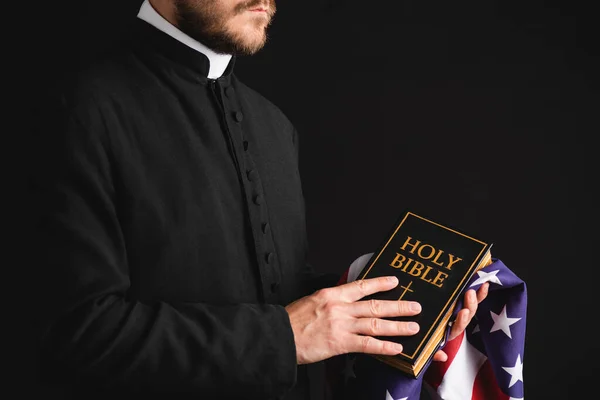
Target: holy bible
column 433, row 262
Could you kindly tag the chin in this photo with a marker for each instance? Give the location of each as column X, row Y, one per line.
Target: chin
column 251, row 48
column 250, row 36
column 256, row 41
column 252, row 39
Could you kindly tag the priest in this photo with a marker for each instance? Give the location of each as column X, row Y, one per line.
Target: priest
column 170, row 240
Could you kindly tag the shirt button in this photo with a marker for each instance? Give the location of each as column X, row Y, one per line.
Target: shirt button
column 269, row 257
column 257, row 199
column 265, row 228
column 252, row 174
column 238, row 116
column 245, row 145
column 274, row 287
column 229, row 91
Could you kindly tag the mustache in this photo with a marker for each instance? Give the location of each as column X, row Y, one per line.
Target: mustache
column 269, row 5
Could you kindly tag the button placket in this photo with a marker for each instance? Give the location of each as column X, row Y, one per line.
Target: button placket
column 258, row 210
column 269, row 257
column 238, row 116
column 266, row 228
column 274, row 287
column 263, row 239
column 252, row 174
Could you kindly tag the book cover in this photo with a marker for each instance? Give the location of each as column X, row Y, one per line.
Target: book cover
column 433, row 262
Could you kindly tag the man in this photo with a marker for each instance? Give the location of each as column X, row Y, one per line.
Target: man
column 171, row 235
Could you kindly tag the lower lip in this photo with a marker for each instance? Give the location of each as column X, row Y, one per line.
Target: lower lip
column 259, row 11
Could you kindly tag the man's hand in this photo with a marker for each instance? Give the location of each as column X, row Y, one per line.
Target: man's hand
column 464, row 316
column 333, row 321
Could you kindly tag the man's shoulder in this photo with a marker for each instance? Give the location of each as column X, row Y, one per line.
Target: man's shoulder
column 106, row 78
column 259, row 103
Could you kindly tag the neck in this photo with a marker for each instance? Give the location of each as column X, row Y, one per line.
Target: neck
column 166, row 9
column 217, row 62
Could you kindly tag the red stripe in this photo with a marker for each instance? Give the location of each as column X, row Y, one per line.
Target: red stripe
column 344, row 278
column 437, row 369
column 485, row 386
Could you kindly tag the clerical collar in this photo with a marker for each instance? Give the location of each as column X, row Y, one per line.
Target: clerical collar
column 217, row 62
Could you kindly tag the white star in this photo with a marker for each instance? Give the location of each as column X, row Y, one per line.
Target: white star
column 388, row 396
column 516, row 372
column 487, row 277
column 502, row 322
column 476, row 329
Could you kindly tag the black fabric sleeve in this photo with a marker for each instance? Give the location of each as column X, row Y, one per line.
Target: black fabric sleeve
column 314, row 280
column 92, row 333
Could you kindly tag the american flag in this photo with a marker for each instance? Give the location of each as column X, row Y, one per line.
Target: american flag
column 485, row 362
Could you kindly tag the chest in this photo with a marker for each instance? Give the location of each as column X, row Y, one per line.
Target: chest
column 209, row 194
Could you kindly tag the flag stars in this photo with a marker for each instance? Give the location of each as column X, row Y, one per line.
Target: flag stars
column 516, row 372
column 502, row 322
column 487, row 277
column 388, row 396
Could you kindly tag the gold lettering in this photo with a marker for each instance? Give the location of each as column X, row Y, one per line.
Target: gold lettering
column 453, row 260
column 439, row 278
column 420, row 270
column 397, row 263
column 416, row 269
column 421, row 250
column 435, row 260
column 407, row 242
column 410, row 260
column 425, row 275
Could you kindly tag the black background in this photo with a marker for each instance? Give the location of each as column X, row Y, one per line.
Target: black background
column 481, row 113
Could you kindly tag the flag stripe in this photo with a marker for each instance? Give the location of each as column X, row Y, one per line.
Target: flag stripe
column 467, row 374
column 460, row 376
column 343, row 279
column 486, row 387
column 435, row 373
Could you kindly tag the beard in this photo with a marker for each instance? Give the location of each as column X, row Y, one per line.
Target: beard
column 207, row 22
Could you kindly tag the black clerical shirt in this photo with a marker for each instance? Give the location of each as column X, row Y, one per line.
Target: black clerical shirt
column 171, row 231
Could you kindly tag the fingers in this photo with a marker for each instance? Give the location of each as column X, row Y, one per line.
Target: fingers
column 460, row 324
column 440, row 355
column 471, row 301
column 356, row 290
column 482, row 292
column 384, row 308
column 382, row 327
column 465, row 315
column 370, row 345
